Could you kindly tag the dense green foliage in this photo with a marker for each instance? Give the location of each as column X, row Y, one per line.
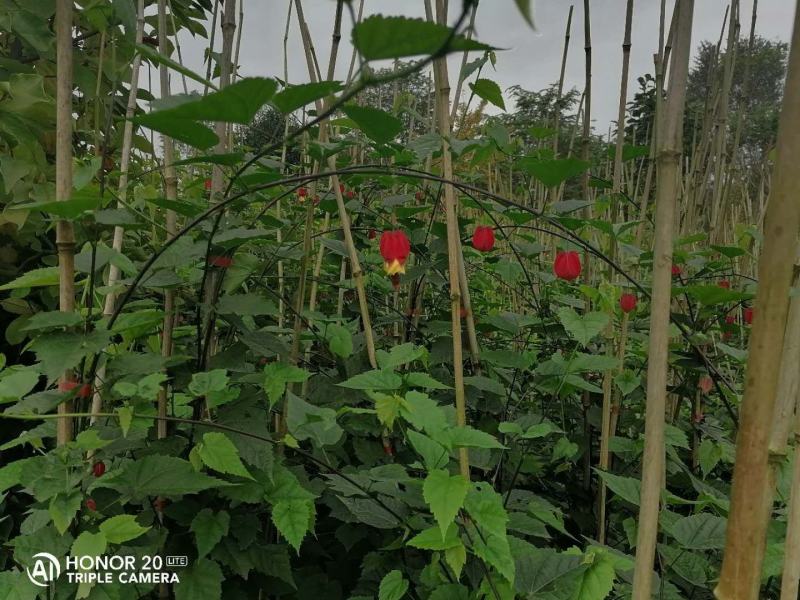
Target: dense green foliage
column 360, row 496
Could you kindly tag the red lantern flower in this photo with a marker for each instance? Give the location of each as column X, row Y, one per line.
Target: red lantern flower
column 207, row 184
column 705, row 384
column 220, row 261
column 98, row 468
column 724, row 283
column 67, row 385
column 395, row 249
column 341, row 187
column 676, row 270
column 747, row 315
column 91, row 504
column 350, row 194
column 730, row 319
column 567, row 265
column 627, row 302
column 372, row 233
column 302, row 192
column 483, row 238
column 84, row 391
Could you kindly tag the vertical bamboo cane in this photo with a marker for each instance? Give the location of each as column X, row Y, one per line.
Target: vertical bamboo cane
column 65, row 235
column 451, row 215
column 751, row 495
column 670, row 141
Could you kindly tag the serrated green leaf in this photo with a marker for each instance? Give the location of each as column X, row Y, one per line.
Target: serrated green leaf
column 63, row 508
column 445, row 496
column 393, row 586
column 376, row 379
column 201, row 581
column 43, row 277
column 121, row 528
column 157, row 475
column 582, row 328
column 297, row 96
column 293, row 520
column 209, row 528
column 220, row 454
column 489, row 91
column 340, row 341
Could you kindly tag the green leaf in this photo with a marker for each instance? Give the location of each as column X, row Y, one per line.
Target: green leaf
column 53, row 319
column 293, row 520
column 401, row 355
column 424, row 380
column 709, row 295
column 201, row 581
column 393, row 586
column 526, row 11
column 485, row 506
column 627, row 488
column 43, row 277
column 431, row 539
column 494, row 549
column 485, row 384
column 445, row 496
column 423, row 412
column 236, row 103
column 16, row 384
column 306, row 421
column 246, row 304
column 710, row 455
column 277, row 375
column 185, row 130
column 542, row 569
column 388, row 408
column 702, row 531
column 378, row 37
column 627, row 381
column 209, row 529
column 378, row 125
column 81, row 202
column 489, row 91
column 63, row 508
column 598, row 579
column 340, row 341
column 552, row 172
column 157, row 475
column 376, row 379
column 214, row 387
column 582, row 328
column 434, row 455
column 220, row 454
column 121, row 528
column 297, row 96
column 467, row 437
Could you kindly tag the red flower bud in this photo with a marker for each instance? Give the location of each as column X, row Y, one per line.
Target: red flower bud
column 676, row 270
column 98, row 468
column 395, row 249
column 747, row 314
column 372, row 233
column 341, row 187
column 627, row 302
column 705, row 384
column 730, row 319
column 67, row 385
column 302, row 192
column 724, row 283
column 483, row 238
column 350, row 194
column 207, row 184
column 91, row 504
column 220, row 261
column 84, row 391
column 567, row 265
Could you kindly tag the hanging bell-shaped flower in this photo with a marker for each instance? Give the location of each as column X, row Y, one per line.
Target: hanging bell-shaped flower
column 483, row 238
column 567, row 265
column 395, row 249
column 627, row 302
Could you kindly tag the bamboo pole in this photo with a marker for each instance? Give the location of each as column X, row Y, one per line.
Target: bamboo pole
column 560, row 88
column 65, row 234
column 451, row 216
column 790, row 580
column 670, row 134
column 751, row 495
column 170, row 193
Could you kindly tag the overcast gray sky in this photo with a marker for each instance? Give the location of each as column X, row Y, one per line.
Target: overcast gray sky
column 531, row 59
